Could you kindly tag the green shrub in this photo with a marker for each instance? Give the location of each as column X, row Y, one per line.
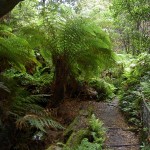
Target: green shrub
column 105, row 90
column 146, row 89
column 35, row 83
column 21, row 115
column 96, row 136
column 86, row 145
column 97, row 130
column 135, row 87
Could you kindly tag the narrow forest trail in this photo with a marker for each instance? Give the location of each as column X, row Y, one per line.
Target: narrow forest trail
column 119, row 136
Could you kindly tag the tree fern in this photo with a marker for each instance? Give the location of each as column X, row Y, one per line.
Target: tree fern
column 88, row 43
column 78, row 46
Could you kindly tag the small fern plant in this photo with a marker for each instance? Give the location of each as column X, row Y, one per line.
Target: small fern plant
column 29, row 114
column 97, row 130
column 86, row 145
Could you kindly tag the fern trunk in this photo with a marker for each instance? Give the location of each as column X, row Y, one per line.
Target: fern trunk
column 4, row 64
column 61, row 75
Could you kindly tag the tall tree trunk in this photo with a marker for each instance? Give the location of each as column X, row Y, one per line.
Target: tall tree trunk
column 61, row 75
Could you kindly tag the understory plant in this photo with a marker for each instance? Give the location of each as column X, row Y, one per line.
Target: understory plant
column 21, row 111
column 96, row 137
column 14, row 50
column 145, row 86
column 104, row 89
column 135, row 87
column 37, row 83
column 22, row 115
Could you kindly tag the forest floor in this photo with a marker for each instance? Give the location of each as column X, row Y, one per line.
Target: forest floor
column 118, row 132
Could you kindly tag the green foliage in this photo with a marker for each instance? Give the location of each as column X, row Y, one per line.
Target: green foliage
column 24, row 114
column 37, row 83
column 137, row 69
column 130, row 104
column 97, row 10
column 51, row 34
column 30, row 114
column 14, row 50
column 131, row 24
column 136, row 86
column 77, row 40
column 97, row 130
column 96, row 136
column 27, row 112
column 86, row 145
column 146, row 89
column 25, row 13
column 105, row 90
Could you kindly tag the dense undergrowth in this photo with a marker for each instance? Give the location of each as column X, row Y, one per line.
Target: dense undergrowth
column 41, row 68
column 26, row 94
column 60, row 52
column 92, row 137
column 135, row 80
column 133, row 90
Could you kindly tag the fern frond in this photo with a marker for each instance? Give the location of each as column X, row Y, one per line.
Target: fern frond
column 82, row 44
column 15, row 50
column 4, row 27
column 29, row 114
column 37, row 121
column 3, row 87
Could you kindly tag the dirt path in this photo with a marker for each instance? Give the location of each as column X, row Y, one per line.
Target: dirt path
column 119, row 137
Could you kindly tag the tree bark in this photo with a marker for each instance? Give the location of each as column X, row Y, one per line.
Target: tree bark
column 61, row 75
column 7, row 5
